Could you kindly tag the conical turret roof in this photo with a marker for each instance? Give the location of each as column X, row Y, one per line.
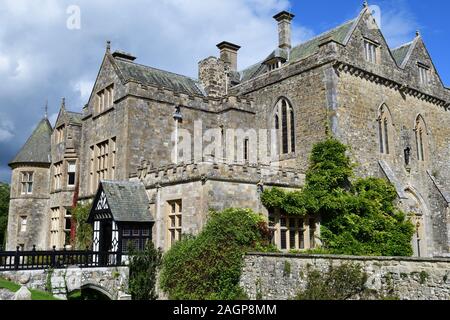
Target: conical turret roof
column 38, row 146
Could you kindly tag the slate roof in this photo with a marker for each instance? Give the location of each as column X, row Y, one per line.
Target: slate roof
column 127, row 201
column 37, row 148
column 75, row 117
column 401, row 52
column 160, row 78
column 301, row 51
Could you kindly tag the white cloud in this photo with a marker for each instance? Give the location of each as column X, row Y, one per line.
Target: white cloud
column 84, row 88
column 398, row 25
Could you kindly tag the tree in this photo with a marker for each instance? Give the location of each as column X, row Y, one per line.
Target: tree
column 358, row 217
column 4, row 208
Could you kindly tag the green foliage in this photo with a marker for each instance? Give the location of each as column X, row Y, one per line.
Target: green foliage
column 144, row 266
column 4, row 207
column 208, row 266
column 423, row 277
column 358, row 218
column 35, row 294
column 48, row 281
column 287, row 269
column 339, row 283
column 84, row 230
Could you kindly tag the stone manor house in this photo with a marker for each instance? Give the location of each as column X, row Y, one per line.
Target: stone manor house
column 389, row 105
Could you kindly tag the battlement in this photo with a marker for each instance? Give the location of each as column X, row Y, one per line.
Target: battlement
column 208, row 170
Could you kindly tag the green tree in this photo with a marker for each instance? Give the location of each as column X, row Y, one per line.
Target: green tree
column 4, row 208
column 144, row 266
column 84, row 230
column 208, row 266
column 359, row 217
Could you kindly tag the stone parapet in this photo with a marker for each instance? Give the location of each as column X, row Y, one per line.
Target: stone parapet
column 265, row 175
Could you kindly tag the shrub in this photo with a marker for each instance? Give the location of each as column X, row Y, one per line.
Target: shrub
column 344, row 282
column 208, row 266
column 144, row 266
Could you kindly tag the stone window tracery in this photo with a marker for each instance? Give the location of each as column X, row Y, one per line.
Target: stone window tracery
column 385, row 130
column 284, row 113
column 421, row 138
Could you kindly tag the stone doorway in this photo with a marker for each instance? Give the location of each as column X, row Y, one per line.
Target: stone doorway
column 417, row 211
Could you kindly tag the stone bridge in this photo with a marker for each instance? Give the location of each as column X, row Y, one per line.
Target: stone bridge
column 111, row 281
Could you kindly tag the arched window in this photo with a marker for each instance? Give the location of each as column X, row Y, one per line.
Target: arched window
column 384, row 130
column 421, row 138
column 286, row 136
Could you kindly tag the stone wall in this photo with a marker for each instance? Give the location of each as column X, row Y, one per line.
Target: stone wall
column 112, row 282
column 281, row 276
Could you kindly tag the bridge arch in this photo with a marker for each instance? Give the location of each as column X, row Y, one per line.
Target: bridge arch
column 90, row 290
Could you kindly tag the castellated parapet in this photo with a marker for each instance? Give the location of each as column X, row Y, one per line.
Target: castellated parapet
column 239, row 173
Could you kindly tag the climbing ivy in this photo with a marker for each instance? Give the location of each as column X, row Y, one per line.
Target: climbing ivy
column 358, row 217
column 84, row 230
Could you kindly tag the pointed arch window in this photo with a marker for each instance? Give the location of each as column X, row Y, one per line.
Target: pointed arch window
column 421, row 138
column 286, row 130
column 384, row 130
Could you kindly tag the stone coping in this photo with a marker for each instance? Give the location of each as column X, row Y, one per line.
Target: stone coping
column 344, row 257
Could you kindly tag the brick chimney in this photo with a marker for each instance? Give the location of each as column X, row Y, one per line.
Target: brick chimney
column 228, row 54
column 284, row 19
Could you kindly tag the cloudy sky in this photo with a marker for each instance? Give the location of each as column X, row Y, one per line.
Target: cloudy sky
column 44, row 56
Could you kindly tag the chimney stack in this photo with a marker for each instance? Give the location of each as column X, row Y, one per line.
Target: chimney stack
column 284, row 19
column 228, row 54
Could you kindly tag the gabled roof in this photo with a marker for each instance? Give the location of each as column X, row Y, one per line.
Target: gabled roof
column 159, row 78
column 75, row 117
column 126, row 201
column 37, row 148
column 338, row 34
column 400, row 54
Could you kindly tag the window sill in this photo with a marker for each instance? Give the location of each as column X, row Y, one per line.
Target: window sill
column 99, row 114
column 287, row 156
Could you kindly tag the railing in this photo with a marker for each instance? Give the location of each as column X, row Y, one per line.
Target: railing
column 61, row 259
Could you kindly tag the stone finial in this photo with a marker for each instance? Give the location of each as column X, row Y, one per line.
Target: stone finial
column 46, row 109
column 108, row 46
column 365, row 4
column 417, row 33
column 63, row 103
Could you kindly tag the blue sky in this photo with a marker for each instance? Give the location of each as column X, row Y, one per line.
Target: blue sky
column 41, row 59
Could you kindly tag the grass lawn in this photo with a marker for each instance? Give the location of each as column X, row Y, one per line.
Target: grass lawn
column 35, row 294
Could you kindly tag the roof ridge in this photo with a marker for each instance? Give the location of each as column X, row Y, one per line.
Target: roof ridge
column 157, row 69
column 326, row 32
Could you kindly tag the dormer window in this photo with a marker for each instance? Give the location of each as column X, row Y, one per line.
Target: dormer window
column 424, row 74
column 59, row 134
column 104, row 99
column 370, row 51
column 274, row 65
